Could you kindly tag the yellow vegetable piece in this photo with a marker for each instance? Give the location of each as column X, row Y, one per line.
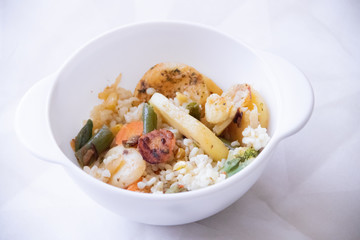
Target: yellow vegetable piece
column 190, row 127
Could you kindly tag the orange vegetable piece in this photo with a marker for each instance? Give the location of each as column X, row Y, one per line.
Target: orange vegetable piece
column 128, row 131
column 133, row 187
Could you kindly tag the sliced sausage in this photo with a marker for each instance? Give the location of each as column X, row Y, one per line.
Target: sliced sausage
column 157, row 146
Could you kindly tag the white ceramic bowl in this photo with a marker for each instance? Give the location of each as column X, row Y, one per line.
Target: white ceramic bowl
column 71, row 93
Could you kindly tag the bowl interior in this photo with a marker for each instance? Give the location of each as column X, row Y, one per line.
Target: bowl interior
column 132, row 50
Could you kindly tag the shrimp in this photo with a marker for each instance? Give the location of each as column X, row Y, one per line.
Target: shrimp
column 169, row 78
column 221, row 110
column 239, row 94
column 125, row 165
column 218, row 109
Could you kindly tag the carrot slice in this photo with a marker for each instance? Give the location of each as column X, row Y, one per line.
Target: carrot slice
column 133, row 187
column 129, row 130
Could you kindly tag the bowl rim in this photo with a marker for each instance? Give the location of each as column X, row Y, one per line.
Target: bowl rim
column 248, row 170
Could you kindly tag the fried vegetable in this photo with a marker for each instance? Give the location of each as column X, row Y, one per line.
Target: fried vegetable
column 128, row 131
column 84, row 135
column 149, row 118
column 194, row 110
column 169, row 78
column 190, row 127
column 235, row 164
column 157, row 146
column 101, row 141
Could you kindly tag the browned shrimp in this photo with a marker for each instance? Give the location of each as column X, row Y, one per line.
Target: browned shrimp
column 169, row 78
column 157, row 146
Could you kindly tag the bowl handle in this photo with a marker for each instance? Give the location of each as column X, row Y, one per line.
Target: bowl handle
column 295, row 94
column 31, row 123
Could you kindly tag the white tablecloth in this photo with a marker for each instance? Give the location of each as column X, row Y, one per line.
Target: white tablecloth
column 309, row 190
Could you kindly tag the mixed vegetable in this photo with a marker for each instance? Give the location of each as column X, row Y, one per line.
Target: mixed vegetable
column 191, row 104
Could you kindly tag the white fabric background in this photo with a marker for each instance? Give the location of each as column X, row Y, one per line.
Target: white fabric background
column 310, row 189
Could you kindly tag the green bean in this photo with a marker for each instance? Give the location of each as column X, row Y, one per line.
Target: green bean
column 86, row 155
column 84, row 135
column 194, row 110
column 101, row 141
column 149, row 118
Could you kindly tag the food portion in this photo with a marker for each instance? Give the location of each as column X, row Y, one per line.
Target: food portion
column 178, row 132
